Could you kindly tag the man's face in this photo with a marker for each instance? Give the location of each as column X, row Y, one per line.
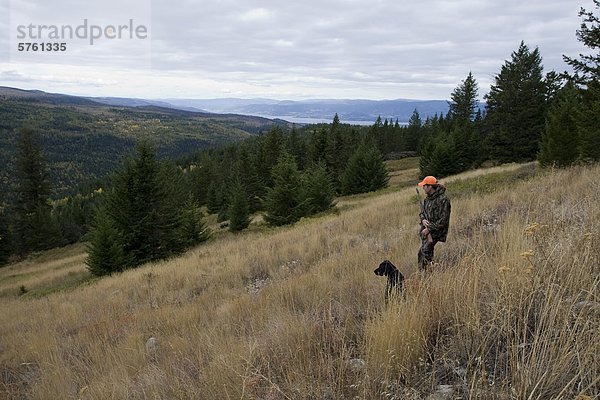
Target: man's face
column 428, row 189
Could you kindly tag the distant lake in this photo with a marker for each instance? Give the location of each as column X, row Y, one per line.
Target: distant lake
column 302, row 120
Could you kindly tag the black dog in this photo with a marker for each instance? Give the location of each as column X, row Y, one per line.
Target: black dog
column 395, row 282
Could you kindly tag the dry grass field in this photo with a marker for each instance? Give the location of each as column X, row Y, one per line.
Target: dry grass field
column 511, row 309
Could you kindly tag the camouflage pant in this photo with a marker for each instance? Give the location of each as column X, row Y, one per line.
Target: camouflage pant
column 425, row 256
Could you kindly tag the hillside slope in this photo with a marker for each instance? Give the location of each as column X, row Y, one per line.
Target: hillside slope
column 83, row 140
column 510, row 311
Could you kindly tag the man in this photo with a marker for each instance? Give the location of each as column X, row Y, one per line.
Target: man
column 435, row 219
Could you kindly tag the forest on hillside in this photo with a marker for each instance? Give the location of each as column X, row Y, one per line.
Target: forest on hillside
column 84, row 141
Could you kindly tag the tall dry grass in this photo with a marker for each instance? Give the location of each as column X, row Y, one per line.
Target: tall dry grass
column 511, row 310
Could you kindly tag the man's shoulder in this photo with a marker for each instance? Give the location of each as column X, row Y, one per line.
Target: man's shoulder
column 441, row 200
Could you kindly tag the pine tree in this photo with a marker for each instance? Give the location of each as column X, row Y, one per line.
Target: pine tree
column 365, row 171
column 297, row 148
column 587, row 67
column 516, row 107
column 36, row 228
column 5, row 237
column 146, row 205
column 589, row 123
column 335, row 154
column 559, row 143
column 273, row 144
column 105, row 247
column 192, row 229
column 283, row 203
column 443, row 158
column 239, row 213
column 200, row 177
column 317, row 190
column 426, row 166
column 133, row 205
column 587, row 75
column 318, row 145
column 245, row 171
column 464, row 109
column 214, row 197
column 464, row 104
column 413, row 132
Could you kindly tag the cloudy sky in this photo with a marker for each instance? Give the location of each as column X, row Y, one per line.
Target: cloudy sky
column 378, row 49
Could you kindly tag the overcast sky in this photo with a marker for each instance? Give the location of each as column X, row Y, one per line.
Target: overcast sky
column 384, row 49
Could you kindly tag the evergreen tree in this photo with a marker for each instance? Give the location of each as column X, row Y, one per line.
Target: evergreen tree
column 192, row 229
column 365, row 171
column 239, row 213
column 214, row 197
column 587, row 67
column 589, row 123
column 426, row 165
column 463, row 111
column 297, row 148
column 317, row 190
column 283, row 203
column 245, row 171
column 201, row 175
column 464, row 104
column 335, row 153
column 73, row 215
column 146, row 206
column 516, row 107
column 318, row 145
column 587, row 74
column 5, row 237
column 273, row 144
column 465, row 147
column 443, row 161
column 36, row 229
column 413, row 132
column 105, row 247
column 559, row 143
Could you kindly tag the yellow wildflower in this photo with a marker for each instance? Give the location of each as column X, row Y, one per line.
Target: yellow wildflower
column 503, row 269
column 532, row 229
column 527, row 254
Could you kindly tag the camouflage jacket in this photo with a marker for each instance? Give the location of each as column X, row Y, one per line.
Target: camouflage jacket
column 437, row 212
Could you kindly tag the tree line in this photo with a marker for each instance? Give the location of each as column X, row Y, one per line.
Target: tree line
column 151, row 208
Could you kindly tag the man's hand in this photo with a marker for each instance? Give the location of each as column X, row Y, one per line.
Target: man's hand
column 425, row 234
column 425, row 223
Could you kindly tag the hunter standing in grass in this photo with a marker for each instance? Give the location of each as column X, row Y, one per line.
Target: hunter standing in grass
column 435, row 219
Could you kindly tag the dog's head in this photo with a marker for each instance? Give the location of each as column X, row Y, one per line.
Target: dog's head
column 385, row 268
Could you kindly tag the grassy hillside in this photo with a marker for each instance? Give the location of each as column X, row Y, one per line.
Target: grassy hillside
column 510, row 311
column 82, row 139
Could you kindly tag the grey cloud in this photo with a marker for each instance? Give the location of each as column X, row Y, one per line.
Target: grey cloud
column 14, row 76
column 340, row 44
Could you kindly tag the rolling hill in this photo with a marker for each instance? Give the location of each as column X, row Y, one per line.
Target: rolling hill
column 83, row 139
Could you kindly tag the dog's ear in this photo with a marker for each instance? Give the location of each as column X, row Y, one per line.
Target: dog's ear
column 389, row 267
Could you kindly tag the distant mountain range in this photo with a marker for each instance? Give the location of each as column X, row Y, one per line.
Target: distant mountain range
column 359, row 111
